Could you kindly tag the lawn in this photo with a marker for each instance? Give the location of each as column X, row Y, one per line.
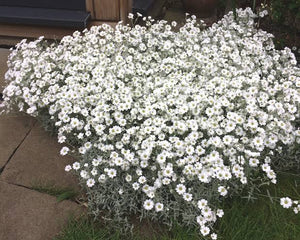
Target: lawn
column 259, row 219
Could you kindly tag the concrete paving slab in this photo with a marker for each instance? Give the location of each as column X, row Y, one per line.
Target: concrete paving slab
column 3, row 66
column 13, row 130
column 30, row 215
column 37, row 161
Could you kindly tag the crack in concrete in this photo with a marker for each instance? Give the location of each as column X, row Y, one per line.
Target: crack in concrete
column 20, row 185
column 15, row 150
column 76, row 200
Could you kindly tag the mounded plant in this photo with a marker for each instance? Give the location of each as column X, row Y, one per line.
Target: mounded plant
column 164, row 123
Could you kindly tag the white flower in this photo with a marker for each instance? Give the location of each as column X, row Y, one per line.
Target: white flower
column 68, row 168
column 159, row 207
column 220, row 213
column 286, row 202
column 168, row 172
column 142, row 179
column 253, row 162
column 90, row 182
column 94, row 172
column 204, row 230
column 135, row 186
column 84, row 174
column 87, row 145
column 128, row 178
column 64, row 151
column 202, row 203
column 102, row 178
column 111, row 173
column 167, row 45
column 96, row 162
column 227, row 139
column 148, row 204
column 187, row 197
column 76, row 165
column 180, row 189
column 214, row 236
column 296, row 210
column 130, row 16
column 166, row 181
column 222, row 190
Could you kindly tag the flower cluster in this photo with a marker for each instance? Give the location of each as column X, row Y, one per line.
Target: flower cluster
column 286, row 202
column 174, row 117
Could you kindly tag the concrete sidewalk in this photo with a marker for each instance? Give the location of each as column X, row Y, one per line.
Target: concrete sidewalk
column 29, row 156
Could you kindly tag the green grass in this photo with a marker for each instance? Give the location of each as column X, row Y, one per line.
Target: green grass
column 243, row 220
column 60, row 193
column 262, row 219
column 84, row 229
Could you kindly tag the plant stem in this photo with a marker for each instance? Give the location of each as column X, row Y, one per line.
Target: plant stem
column 253, row 6
column 233, row 4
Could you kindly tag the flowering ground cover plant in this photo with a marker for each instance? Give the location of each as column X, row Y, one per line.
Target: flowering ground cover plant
column 164, row 123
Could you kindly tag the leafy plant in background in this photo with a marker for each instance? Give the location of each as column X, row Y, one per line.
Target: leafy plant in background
column 164, row 124
column 280, row 9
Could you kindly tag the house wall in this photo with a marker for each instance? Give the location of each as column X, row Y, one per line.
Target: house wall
column 109, row 10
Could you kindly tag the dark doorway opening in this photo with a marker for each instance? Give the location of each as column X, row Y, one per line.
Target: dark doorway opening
column 56, row 13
